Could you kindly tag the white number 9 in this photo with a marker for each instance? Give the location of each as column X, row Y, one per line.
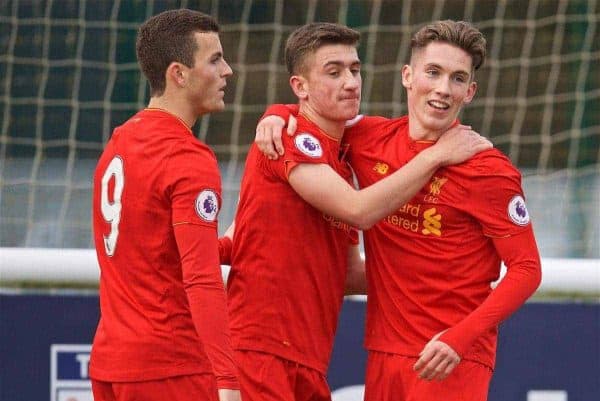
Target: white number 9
column 112, row 211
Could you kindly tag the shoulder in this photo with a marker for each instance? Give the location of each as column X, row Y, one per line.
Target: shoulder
column 363, row 121
column 308, row 140
column 491, row 161
column 191, row 150
column 367, row 127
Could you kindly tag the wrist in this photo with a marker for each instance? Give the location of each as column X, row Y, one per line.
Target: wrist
column 434, row 157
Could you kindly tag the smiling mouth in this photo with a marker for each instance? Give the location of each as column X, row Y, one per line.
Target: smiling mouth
column 438, row 105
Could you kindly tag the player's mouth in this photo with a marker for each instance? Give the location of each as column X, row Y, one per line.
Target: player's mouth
column 438, row 105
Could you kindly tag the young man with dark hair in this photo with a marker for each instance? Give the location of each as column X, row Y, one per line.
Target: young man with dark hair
column 163, row 331
column 295, row 246
column 430, row 263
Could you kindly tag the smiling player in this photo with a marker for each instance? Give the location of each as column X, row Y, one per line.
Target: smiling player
column 430, row 263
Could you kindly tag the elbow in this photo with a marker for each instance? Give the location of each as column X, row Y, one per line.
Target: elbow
column 360, row 215
column 365, row 224
column 534, row 278
column 538, row 277
column 360, row 219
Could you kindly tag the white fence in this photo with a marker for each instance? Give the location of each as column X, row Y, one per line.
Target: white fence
column 80, row 266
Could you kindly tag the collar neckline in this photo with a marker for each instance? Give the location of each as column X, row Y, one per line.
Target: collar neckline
column 158, row 109
column 321, row 131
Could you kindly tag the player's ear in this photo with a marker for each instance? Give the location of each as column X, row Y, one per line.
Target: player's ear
column 176, row 73
column 299, row 86
column 470, row 92
column 407, row 76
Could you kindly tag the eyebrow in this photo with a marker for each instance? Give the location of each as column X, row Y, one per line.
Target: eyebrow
column 462, row 72
column 340, row 63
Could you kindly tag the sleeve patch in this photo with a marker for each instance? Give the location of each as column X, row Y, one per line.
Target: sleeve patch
column 309, row 145
column 517, row 211
column 207, row 205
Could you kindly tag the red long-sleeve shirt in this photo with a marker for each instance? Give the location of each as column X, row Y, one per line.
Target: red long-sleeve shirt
column 289, row 260
column 157, row 193
column 430, row 264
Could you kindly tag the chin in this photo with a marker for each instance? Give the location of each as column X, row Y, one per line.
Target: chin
column 437, row 124
column 219, row 107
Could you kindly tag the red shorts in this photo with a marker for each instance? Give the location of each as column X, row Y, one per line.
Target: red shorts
column 391, row 377
column 178, row 388
column 266, row 377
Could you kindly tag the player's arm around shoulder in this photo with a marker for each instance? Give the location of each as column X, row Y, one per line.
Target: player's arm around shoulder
column 460, row 144
column 323, row 188
column 279, row 120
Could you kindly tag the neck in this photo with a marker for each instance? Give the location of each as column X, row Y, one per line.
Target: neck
column 418, row 132
column 421, row 134
column 332, row 128
column 176, row 106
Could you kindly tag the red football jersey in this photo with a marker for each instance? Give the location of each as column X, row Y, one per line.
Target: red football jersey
column 152, row 177
column 430, row 264
column 289, row 260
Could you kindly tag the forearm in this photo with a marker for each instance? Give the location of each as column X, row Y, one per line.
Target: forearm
column 326, row 190
column 282, row 110
column 386, row 196
column 204, row 288
column 521, row 280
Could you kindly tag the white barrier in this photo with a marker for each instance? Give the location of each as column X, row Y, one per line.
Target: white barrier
column 80, row 266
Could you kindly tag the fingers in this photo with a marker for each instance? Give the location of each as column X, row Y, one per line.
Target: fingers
column 292, row 125
column 264, row 142
column 278, row 142
column 435, row 366
column 445, row 372
column 480, row 143
column 268, row 136
column 486, row 142
column 437, row 361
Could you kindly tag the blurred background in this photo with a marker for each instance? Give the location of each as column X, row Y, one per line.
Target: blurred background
column 68, row 76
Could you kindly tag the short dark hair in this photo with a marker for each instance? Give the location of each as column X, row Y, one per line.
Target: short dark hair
column 458, row 33
column 169, row 37
column 310, row 37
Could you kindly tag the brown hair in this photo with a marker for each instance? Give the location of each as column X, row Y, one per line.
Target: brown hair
column 169, row 37
column 459, row 33
column 310, row 37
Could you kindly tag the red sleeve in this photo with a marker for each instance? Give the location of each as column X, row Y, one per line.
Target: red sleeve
column 520, row 255
column 296, row 153
column 198, row 248
column 225, row 245
column 282, row 110
column 194, row 185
